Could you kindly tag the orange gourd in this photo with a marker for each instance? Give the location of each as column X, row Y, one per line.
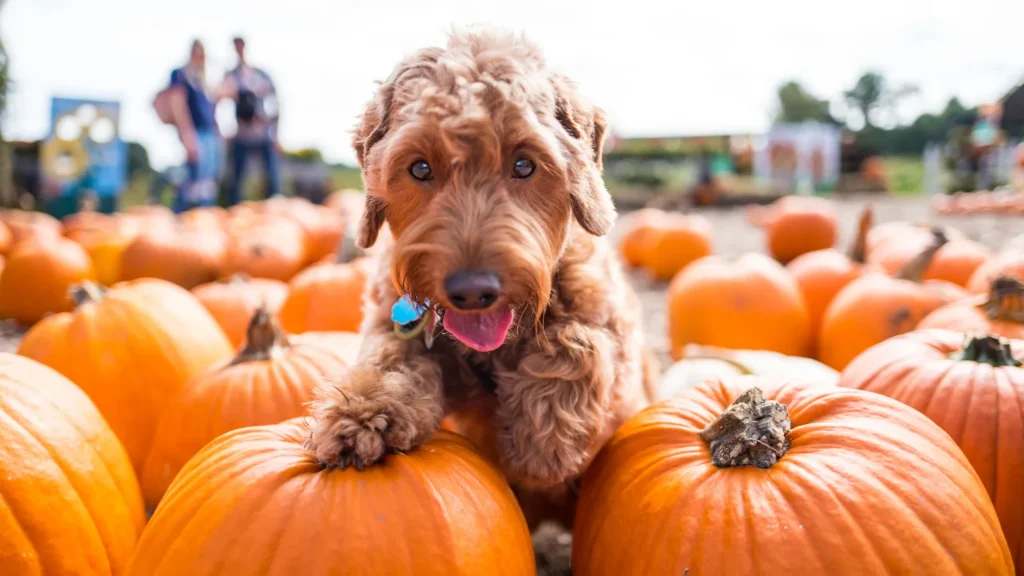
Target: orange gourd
column 796, row 225
column 749, row 304
column 1001, row 312
column 326, row 297
column 270, row 380
column 762, row 476
column 1007, row 264
column 27, row 225
column 275, row 249
column 974, row 390
column 674, row 242
column 37, row 276
column 71, row 504
column 636, row 228
column 233, row 302
column 821, row 274
column 255, row 501
column 876, row 307
column 182, row 255
column 130, row 348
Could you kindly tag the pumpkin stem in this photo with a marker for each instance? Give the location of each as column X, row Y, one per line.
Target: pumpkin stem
column 858, row 251
column 1005, row 300
column 915, row 268
column 751, row 432
column 988, row 349
column 263, row 339
column 86, row 292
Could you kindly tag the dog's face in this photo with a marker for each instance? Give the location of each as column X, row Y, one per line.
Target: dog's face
column 479, row 159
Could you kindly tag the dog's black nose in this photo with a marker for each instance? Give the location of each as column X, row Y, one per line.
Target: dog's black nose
column 472, row 289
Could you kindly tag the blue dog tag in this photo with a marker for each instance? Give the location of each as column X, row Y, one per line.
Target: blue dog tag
column 405, row 311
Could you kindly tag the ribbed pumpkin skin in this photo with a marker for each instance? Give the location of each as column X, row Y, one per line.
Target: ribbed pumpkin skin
column 955, row 262
column 235, row 395
column 820, row 275
column 966, row 316
column 1007, row 264
column 868, row 486
column 70, row 503
column 232, row 303
column 185, row 256
column 130, row 352
column 37, row 276
column 325, row 297
column 980, row 406
column 255, row 502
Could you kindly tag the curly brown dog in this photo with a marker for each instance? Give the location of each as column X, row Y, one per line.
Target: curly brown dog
column 486, row 166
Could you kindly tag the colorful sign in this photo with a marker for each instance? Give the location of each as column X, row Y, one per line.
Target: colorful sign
column 799, row 158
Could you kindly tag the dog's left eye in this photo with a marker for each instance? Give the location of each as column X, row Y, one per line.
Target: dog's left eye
column 523, row 168
column 420, row 170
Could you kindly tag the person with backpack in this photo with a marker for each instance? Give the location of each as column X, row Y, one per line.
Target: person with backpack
column 256, row 112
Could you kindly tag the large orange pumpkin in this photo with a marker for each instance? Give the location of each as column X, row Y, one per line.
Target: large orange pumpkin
column 275, row 249
column 674, row 242
column 955, row 262
column 1001, row 312
column 37, row 276
column 636, row 227
column 71, row 503
column 233, row 302
column 130, row 348
column 796, row 225
column 764, row 476
column 1007, row 264
column 326, row 297
column 974, row 390
column 255, row 501
column 26, row 225
column 749, row 304
column 270, row 380
column 877, row 306
column 183, row 255
column 821, row 274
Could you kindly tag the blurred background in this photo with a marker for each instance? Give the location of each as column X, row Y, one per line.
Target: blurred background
column 712, row 102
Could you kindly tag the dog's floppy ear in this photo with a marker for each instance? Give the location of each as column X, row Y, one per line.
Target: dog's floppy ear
column 591, row 204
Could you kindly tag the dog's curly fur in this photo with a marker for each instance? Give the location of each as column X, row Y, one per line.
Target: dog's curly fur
column 574, row 367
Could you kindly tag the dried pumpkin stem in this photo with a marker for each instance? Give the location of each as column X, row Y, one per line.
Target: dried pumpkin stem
column 751, row 432
column 86, row 292
column 914, row 269
column 991, row 350
column 859, row 249
column 263, row 339
column 1005, row 300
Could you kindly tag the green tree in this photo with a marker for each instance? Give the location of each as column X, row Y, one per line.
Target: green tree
column 872, row 92
column 138, row 159
column 797, row 105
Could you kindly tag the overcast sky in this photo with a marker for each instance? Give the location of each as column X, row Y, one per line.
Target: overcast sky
column 658, row 68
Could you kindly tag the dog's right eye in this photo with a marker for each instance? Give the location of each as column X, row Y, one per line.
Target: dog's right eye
column 420, row 170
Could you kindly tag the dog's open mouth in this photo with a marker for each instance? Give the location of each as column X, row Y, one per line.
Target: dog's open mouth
column 481, row 331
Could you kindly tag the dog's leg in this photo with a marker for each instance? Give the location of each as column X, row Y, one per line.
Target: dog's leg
column 390, row 401
column 553, row 408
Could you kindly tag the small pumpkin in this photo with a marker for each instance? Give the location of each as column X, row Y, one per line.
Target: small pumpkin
column 326, row 297
column 762, row 476
column 37, row 276
column 232, row 302
column 130, row 348
column 1001, row 312
column 796, row 225
column 440, row 509
column 821, row 274
column 749, row 304
column 182, row 255
column 106, row 248
column 327, row 233
column 270, row 380
column 636, row 227
column 674, row 242
column 876, row 307
column 1007, row 264
column 974, row 390
column 27, row 225
column 205, row 217
column 276, row 250
column 954, row 263
column 702, row 363
column 71, row 504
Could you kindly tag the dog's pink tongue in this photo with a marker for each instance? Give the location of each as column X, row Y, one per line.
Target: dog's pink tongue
column 481, row 331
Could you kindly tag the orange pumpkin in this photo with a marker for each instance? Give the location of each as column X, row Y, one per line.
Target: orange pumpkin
column 26, row 225
column 6, row 239
column 71, row 504
column 674, row 242
column 106, row 248
column 1007, row 264
column 1001, row 312
column 761, row 476
column 275, row 249
column 326, row 297
column 255, row 501
column 37, row 276
column 749, row 304
column 185, row 256
column 876, row 307
column 86, row 220
column 327, row 233
column 898, row 235
column 821, row 274
column 233, row 302
column 974, row 390
column 796, row 225
column 130, row 348
column 954, row 263
column 636, row 227
column 270, row 380
column 206, row 217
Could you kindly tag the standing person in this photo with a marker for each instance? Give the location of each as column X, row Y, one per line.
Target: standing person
column 191, row 109
column 256, row 111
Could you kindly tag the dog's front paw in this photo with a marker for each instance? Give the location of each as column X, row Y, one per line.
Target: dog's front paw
column 540, row 463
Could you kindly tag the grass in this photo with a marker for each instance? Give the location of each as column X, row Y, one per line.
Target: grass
column 906, row 175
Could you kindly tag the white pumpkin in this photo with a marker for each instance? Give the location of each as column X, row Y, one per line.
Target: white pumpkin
column 702, row 363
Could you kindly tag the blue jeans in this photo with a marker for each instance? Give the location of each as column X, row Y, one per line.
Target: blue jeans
column 200, row 189
column 240, row 151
